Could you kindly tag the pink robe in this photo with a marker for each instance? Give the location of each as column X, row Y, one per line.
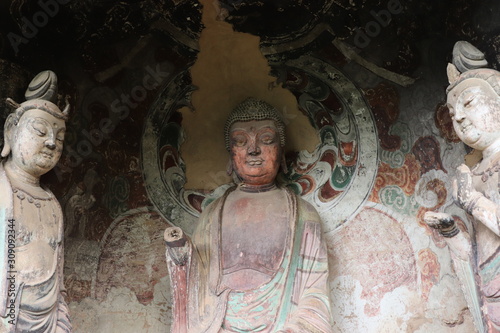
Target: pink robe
column 295, row 300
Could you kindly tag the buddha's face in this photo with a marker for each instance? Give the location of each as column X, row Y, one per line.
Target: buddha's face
column 255, row 151
column 36, row 142
column 475, row 112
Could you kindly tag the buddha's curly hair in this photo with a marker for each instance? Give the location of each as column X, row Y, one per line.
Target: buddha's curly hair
column 254, row 109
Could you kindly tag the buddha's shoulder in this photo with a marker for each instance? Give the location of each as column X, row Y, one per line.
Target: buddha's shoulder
column 307, row 210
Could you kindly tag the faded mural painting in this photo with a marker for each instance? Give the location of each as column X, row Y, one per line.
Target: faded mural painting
column 370, row 169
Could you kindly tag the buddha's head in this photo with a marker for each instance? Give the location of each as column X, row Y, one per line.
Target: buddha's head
column 255, row 137
column 34, row 132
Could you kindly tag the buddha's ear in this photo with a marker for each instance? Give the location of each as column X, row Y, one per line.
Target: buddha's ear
column 284, row 167
column 452, row 72
column 229, row 167
column 7, row 135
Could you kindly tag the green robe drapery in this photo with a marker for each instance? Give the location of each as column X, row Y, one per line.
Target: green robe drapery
column 303, row 302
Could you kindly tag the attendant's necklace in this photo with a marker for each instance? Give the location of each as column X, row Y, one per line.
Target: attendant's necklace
column 487, row 173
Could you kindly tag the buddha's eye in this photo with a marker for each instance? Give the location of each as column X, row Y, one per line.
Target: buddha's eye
column 239, row 140
column 267, row 139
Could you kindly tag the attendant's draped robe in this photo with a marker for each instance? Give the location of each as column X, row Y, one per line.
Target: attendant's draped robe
column 487, row 248
column 38, row 307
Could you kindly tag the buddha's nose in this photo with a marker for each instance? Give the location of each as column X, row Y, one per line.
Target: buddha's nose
column 253, row 150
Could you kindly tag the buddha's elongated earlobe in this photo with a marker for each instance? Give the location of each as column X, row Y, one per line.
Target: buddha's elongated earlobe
column 229, row 167
column 284, row 168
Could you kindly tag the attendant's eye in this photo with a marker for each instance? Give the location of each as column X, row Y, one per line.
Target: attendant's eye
column 468, row 103
column 60, row 135
column 39, row 129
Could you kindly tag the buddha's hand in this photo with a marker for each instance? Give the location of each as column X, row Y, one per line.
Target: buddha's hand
column 463, row 190
column 178, row 245
column 174, row 237
column 442, row 222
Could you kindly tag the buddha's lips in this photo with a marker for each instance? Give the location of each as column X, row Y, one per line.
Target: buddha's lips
column 255, row 162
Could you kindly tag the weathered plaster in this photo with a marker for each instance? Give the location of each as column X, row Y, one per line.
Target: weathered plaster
column 230, row 68
column 121, row 312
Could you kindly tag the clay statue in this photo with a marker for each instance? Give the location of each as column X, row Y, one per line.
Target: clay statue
column 31, row 251
column 257, row 261
column 473, row 99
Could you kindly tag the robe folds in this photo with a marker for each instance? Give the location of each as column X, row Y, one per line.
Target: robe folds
column 295, row 300
column 37, row 308
column 487, row 241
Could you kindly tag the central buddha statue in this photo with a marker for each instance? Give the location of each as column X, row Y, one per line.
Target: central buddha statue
column 256, row 261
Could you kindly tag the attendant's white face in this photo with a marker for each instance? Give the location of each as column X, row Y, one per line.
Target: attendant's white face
column 475, row 111
column 37, row 142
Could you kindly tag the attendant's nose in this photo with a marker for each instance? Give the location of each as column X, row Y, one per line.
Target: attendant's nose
column 50, row 143
column 459, row 115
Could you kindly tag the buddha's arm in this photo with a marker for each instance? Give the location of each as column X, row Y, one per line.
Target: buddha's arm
column 178, row 253
column 474, row 202
column 313, row 310
column 63, row 320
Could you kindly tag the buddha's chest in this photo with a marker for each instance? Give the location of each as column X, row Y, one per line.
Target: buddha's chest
column 254, row 236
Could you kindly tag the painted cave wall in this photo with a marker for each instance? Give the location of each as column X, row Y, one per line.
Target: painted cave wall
column 361, row 85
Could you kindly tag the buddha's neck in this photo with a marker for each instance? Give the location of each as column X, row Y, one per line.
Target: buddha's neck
column 257, row 188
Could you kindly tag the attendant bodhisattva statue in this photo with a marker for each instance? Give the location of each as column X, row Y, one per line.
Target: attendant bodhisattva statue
column 31, row 235
column 473, row 99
